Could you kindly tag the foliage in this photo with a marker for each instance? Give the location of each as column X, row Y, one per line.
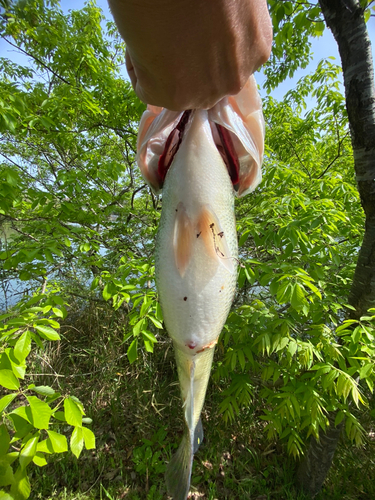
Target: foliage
column 145, row 459
column 294, row 23
column 27, row 433
column 287, row 340
column 68, row 121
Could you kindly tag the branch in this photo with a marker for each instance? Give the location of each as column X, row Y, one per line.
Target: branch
column 37, row 60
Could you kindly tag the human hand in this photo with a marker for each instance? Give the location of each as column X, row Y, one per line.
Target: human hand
column 187, row 54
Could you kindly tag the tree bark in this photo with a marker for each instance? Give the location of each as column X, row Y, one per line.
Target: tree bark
column 346, row 20
column 313, row 469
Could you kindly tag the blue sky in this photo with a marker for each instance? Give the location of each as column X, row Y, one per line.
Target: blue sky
column 322, row 47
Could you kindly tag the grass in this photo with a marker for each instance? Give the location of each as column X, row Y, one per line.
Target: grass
column 137, row 420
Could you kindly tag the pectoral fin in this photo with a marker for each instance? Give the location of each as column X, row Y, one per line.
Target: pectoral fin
column 183, row 238
column 215, row 241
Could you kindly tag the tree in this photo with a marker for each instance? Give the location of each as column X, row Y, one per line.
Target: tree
column 68, row 189
column 348, row 26
column 347, row 22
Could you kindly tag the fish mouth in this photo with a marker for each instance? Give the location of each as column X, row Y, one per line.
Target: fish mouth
column 223, row 141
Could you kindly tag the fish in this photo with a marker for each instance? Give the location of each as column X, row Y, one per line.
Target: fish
column 199, row 160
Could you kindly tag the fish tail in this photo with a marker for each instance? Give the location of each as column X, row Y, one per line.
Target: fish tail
column 178, row 473
column 193, row 374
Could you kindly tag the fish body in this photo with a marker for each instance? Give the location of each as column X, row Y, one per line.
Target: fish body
column 199, row 160
column 195, row 264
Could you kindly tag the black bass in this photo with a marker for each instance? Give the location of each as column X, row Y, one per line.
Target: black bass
column 199, row 159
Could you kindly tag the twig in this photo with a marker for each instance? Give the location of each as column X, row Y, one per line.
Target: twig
column 37, row 60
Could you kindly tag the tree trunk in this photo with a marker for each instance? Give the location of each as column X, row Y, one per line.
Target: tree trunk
column 346, row 21
column 318, row 459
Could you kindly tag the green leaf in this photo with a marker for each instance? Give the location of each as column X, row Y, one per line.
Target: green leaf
column 5, row 496
column 145, row 306
column 89, row 438
column 243, row 238
column 339, row 418
column 39, row 459
column 365, row 370
column 41, row 412
column 9, row 380
column 20, row 489
column 47, row 332
column 73, row 413
column 106, row 293
column 329, row 378
column 158, row 312
column 284, row 293
column 45, row 446
column 58, row 441
column 6, row 400
column 298, row 297
column 58, row 300
column 4, row 441
column 139, row 326
column 59, row 415
column 44, row 390
column 58, row 312
column 156, row 322
column 149, row 346
column 6, row 475
column 132, row 351
column 241, row 359
column 357, row 334
column 149, row 336
column 23, row 346
column 77, row 441
column 21, row 424
column 292, row 347
column 28, row 451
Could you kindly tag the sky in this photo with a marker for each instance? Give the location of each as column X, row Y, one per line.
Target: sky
column 322, row 47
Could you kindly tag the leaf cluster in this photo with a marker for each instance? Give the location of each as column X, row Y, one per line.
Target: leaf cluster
column 35, row 419
column 291, row 351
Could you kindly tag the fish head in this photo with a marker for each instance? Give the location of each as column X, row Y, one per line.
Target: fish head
column 237, row 126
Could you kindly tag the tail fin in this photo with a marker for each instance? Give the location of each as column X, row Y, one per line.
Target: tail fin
column 193, row 374
column 178, row 473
